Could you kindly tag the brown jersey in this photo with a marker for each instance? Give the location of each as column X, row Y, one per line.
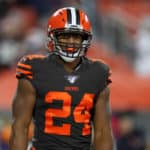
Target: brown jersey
column 64, row 101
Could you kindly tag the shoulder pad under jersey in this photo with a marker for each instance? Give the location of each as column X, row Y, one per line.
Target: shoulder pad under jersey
column 24, row 66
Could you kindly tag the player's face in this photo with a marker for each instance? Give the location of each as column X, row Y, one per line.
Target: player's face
column 70, row 42
column 70, row 38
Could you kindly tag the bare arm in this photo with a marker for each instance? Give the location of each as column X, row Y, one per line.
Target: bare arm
column 22, row 109
column 103, row 139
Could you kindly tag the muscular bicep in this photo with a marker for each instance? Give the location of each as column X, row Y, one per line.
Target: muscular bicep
column 102, row 117
column 23, row 102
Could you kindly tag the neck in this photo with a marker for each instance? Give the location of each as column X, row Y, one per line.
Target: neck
column 70, row 66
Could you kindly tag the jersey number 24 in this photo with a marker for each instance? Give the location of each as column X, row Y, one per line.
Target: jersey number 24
column 81, row 113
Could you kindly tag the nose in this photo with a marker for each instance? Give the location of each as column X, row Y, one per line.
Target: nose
column 71, row 39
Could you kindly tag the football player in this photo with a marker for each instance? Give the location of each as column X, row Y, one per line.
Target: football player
column 64, row 92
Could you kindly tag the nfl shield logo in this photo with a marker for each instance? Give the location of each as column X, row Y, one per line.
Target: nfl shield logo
column 72, row 78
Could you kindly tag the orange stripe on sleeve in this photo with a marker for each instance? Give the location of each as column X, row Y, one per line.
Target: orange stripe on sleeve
column 30, row 57
column 28, row 76
column 23, row 71
column 24, row 65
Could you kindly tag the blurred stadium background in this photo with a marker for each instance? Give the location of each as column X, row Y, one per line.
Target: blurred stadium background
column 121, row 38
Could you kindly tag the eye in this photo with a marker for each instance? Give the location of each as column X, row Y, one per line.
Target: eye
column 61, row 36
column 67, row 36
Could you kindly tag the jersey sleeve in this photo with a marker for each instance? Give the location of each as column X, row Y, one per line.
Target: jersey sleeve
column 108, row 76
column 24, row 69
column 106, row 71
